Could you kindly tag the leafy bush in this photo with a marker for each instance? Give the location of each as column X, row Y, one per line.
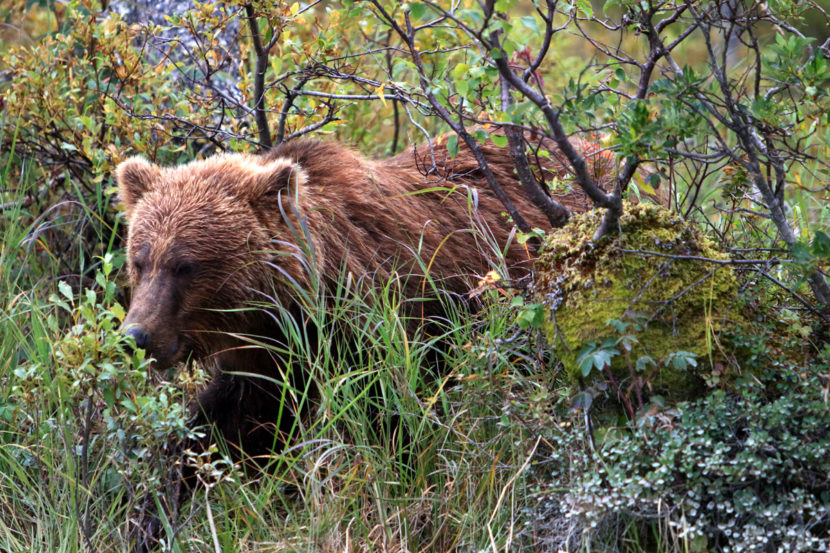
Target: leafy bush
column 90, row 397
column 727, row 472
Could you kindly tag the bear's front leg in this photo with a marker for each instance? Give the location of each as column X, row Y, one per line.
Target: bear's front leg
column 253, row 415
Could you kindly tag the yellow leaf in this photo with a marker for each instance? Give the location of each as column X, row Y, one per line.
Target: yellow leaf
column 647, row 188
column 379, row 90
column 295, row 7
column 644, row 186
column 488, row 281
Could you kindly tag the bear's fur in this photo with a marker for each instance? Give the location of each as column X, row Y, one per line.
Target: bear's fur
column 210, row 238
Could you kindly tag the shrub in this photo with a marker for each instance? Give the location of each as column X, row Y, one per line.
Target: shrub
column 731, row 473
column 88, row 396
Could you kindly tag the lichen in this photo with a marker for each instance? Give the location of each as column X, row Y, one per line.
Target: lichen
column 670, row 303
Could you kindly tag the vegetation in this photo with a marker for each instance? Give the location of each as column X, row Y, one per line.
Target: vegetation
column 716, row 109
column 620, row 314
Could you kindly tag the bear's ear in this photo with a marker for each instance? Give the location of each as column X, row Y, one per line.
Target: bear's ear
column 275, row 180
column 135, row 178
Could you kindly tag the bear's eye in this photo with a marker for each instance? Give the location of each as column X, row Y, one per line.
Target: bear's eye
column 138, row 267
column 183, row 270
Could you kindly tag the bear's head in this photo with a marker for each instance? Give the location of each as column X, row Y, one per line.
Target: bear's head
column 200, row 239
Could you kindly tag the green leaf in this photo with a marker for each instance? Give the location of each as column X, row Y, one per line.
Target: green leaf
column 452, row 145
column 585, row 8
column 531, row 23
column 460, row 70
column 602, row 358
column 499, row 140
column 591, row 357
column 801, row 253
column 523, row 237
column 608, row 343
column 643, row 363
column 821, row 244
column 109, row 395
column 619, row 326
column 417, row 10
column 628, row 341
column 586, row 365
column 65, row 290
column 682, row 360
column 106, row 264
column 531, row 316
column 611, row 4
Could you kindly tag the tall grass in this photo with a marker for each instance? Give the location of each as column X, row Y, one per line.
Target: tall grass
column 407, row 445
column 394, row 456
column 35, row 501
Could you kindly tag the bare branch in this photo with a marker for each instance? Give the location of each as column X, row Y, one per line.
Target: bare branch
column 290, row 96
column 706, row 259
column 262, row 53
column 577, row 162
column 457, row 126
column 556, row 213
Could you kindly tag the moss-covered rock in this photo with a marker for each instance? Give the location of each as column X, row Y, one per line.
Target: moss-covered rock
column 667, row 310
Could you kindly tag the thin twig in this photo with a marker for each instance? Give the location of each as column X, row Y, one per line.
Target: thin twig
column 707, row 259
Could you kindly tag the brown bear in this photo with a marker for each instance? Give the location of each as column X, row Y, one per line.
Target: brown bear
column 210, row 240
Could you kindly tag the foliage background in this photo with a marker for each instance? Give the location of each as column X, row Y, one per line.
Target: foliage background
column 504, row 454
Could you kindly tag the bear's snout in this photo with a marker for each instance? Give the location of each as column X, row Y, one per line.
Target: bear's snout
column 141, row 337
column 147, row 332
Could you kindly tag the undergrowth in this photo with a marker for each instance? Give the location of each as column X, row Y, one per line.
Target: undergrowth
column 460, row 437
column 409, row 443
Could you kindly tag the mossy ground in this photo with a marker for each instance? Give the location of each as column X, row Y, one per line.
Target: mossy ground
column 667, row 304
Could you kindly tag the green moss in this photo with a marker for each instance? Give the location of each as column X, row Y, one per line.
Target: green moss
column 665, row 304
